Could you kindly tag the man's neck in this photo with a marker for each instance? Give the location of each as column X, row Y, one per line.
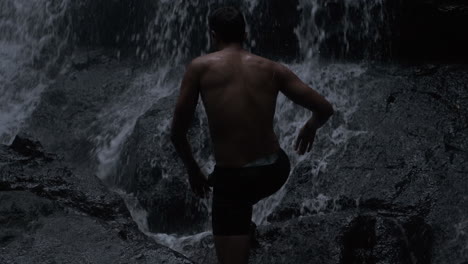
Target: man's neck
column 230, row 46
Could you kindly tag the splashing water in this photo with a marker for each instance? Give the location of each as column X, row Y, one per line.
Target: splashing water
column 167, row 37
column 330, row 82
column 33, row 41
column 118, row 120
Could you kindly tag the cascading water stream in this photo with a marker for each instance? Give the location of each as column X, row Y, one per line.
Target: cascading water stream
column 342, row 28
column 166, row 37
column 35, row 35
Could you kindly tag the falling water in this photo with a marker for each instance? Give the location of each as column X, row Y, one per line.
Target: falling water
column 33, row 41
column 349, row 27
column 167, row 39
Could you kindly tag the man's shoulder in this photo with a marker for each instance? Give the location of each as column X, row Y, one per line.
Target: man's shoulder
column 201, row 63
column 197, row 65
column 270, row 64
column 207, row 60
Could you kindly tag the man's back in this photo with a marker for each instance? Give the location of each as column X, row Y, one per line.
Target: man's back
column 239, row 93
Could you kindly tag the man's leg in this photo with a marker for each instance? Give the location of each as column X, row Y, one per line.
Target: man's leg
column 232, row 249
column 231, row 216
column 232, row 233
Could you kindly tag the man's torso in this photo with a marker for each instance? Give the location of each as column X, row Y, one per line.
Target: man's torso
column 239, row 92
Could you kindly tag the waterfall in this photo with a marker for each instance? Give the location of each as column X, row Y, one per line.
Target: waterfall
column 35, row 36
column 344, row 29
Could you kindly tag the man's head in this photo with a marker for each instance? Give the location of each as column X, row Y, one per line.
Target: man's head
column 228, row 25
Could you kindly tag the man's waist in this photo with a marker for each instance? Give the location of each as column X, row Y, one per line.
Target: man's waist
column 248, row 157
column 265, row 160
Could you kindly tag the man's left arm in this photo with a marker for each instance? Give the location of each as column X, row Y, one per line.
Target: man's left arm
column 182, row 119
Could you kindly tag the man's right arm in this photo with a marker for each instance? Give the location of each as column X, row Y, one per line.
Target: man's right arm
column 303, row 95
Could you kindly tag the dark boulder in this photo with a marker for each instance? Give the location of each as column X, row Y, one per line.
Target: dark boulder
column 150, row 168
column 65, row 120
column 48, row 176
column 34, row 229
column 49, row 212
column 386, row 239
column 27, row 147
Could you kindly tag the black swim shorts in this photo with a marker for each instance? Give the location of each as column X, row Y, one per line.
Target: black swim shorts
column 236, row 190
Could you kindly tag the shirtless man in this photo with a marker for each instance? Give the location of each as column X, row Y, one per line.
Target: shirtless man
column 239, row 91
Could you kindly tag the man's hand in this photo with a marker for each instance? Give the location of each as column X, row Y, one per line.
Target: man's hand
column 303, row 95
column 306, row 137
column 199, row 183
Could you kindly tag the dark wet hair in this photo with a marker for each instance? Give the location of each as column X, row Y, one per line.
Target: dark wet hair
column 228, row 23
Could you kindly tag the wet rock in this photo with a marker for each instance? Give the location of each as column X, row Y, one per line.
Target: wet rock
column 386, row 239
column 150, row 167
column 50, row 213
column 19, row 210
column 37, row 230
column 27, row 147
column 310, row 239
column 53, row 179
column 66, row 117
column 344, row 237
column 402, row 178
